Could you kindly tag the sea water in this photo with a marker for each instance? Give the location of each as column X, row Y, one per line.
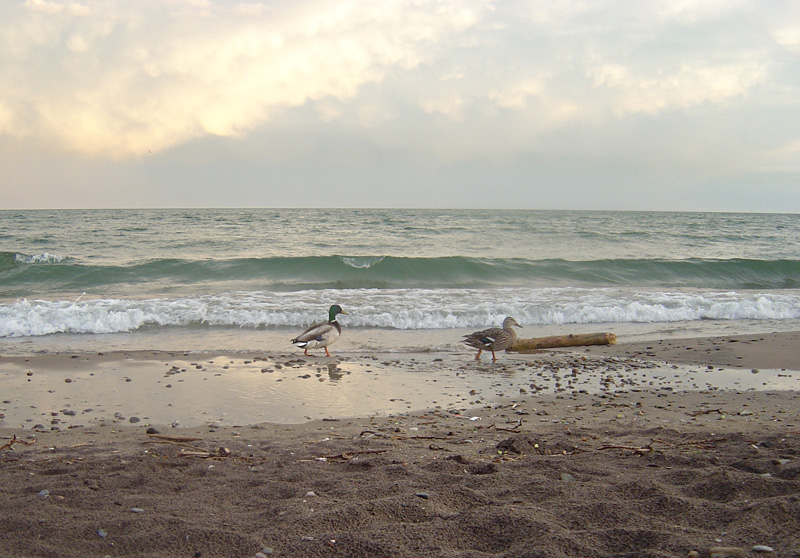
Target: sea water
column 207, row 279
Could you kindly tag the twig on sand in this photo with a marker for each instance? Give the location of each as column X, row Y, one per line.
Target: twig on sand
column 177, row 439
column 204, row 454
column 515, row 428
column 707, row 412
column 14, row 440
column 176, row 443
column 402, row 437
column 189, row 450
column 648, row 449
column 644, row 450
column 348, row 455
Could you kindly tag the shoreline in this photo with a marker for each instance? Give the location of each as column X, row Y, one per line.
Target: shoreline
column 631, row 470
column 58, row 391
column 776, row 350
column 362, row 341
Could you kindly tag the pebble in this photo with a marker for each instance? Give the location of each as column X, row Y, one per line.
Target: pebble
column 137, row 510
column 102, row 533
column 763, row 548
column 43, row 493
column 423, row 495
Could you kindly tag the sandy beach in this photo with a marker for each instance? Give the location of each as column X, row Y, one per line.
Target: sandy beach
column 631, row 450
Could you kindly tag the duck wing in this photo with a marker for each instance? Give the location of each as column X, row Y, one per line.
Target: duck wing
column 488, row 339
column 322, row 332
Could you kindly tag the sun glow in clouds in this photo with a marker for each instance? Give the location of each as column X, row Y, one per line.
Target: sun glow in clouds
column 129, row 78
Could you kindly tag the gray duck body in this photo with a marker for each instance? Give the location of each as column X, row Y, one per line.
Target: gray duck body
column 493, row 339
column 321, row 335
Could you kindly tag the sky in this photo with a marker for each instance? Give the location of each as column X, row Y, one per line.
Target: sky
column 585, row 104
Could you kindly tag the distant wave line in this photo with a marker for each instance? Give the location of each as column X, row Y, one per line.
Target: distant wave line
column 51, row 272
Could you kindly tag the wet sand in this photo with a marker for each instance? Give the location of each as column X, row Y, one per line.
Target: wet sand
column 776, row 350
column 625, row 450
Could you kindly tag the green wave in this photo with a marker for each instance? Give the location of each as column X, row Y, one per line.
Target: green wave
column 21, row 275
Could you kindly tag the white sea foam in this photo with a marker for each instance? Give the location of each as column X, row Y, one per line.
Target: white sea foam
column 362, row 262
column 407, row 309
column 38, row 258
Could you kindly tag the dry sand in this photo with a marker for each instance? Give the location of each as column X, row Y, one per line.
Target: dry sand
column 642, row 472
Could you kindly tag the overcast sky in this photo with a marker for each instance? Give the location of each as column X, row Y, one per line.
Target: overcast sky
column 595, row 104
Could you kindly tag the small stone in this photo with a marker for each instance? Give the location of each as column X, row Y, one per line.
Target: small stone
column 102, row 533
column 137, row 510
column 423, row 495
column 310, row 494
column 134, row 420
column 152, row 430
column 763, row 548
column 566, row 477
column 43, row 493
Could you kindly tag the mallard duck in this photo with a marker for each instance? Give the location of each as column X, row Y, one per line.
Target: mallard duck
column 494, row 338
column 322, row 334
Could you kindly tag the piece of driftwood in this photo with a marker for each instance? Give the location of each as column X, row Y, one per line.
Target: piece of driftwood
column 15, row 440
column 571, row 340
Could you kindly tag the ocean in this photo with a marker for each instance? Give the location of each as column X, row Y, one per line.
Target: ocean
column 209, row 279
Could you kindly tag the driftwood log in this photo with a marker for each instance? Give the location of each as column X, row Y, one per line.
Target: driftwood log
column 572, row 340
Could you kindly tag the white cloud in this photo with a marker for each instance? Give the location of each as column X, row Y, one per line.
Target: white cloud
column 44, row 6
column 685, row 87
column 140, row 77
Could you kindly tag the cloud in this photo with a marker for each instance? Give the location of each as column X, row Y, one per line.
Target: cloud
column 122, row 78
column 687, row 86
column 642, row 84
column 44, row 6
